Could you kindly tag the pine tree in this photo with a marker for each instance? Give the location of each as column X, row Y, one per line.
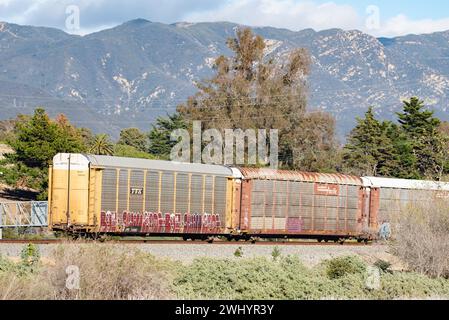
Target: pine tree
column 160, row 140
column 426, row 142
column 36, row 140
column 370, row 150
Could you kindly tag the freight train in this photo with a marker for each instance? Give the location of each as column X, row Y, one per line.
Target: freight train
column 103, row 195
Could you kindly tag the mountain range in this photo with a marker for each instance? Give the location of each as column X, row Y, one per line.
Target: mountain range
column 129, row 75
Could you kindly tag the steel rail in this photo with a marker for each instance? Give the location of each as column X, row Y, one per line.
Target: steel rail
column 181, row 242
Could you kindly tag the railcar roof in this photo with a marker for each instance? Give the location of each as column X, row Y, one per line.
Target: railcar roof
column 286, row 175
column 158, row 165
column 377, row 182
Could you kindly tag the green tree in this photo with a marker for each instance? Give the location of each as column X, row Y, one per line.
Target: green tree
column 427, row 143
column 102, row 145
column 405, row 167
column 250, row 91
column 36, row 140
column 444, row 130
column 70, row 139
column 121, row 150
column 370, row 150
column 160, row 141
column 135, row 138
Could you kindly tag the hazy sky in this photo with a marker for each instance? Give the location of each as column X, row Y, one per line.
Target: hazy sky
column 379, row 18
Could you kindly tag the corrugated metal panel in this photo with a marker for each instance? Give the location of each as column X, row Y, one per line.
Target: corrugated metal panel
column 123, row 191
column 208, row 195
column 196, row 200
column 182, row 193
column 109, row 190
column 220, row 197
column 152, row 192
column 271, row 174
column 158, row 165
column 377, row 182
column 303, row 206
column 167, row 192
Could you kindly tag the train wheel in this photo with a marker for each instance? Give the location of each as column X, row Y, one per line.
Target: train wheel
column 320, row 240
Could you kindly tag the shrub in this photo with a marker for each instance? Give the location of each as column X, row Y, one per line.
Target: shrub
column 30, row 257
column 108, row 272
column 102, row 271
column 5, row 264
column 276, row 253
column 339, row 267
column 238, row 252
column 409, row 285
column 255, row 278
column 421, row 238
column 383, row 265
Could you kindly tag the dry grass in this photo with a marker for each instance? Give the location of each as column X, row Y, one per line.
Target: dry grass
column 422, row 239
column 105, row 273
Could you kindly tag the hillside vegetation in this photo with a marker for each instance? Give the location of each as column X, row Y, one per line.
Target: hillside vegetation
column 107, row 272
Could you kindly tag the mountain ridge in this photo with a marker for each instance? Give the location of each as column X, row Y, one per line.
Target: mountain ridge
column 132, row 73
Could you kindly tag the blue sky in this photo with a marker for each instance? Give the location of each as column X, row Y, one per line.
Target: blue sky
column 435, row 9
column 384, row 18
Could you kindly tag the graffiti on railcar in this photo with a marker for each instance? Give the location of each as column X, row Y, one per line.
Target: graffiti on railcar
column 294, row 224
column 152, row 222
column 442, row 195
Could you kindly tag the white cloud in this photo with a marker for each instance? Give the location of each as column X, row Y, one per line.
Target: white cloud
column 402, row 25
column 290, row 14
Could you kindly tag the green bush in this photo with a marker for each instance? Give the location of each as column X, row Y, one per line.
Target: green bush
column 403, row 285
column 339, row 267
column 109, row 272
column 276, row 253
column 238, row 253
column 5, row 264
column 383, row 265
column 30, row 258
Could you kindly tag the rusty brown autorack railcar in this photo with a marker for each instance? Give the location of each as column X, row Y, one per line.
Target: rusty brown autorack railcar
column 276, row 202
column 103, row 194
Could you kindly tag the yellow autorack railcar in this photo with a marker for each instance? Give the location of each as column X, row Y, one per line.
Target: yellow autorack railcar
column 102, row 194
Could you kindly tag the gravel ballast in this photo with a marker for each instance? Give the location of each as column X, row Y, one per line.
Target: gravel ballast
column 309, row 254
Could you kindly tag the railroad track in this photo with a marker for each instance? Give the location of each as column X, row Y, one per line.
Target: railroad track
column 165, row 242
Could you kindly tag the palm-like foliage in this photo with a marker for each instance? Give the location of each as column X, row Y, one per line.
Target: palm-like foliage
column 102, row 145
